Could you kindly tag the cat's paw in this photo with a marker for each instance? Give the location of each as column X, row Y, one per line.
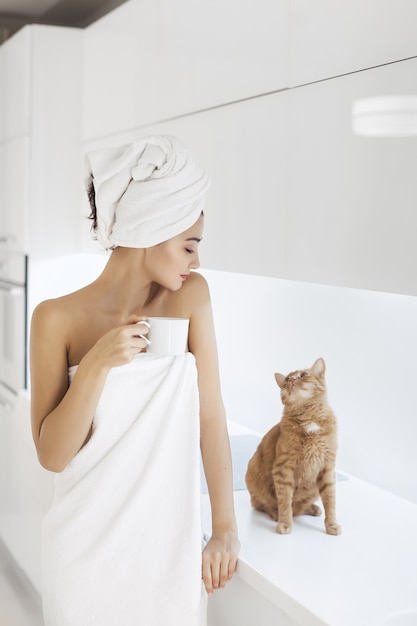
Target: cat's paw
column 314, row 510
column 283, row 529
column 333, row 529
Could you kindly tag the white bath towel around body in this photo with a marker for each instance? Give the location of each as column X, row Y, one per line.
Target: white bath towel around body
column 121, row 544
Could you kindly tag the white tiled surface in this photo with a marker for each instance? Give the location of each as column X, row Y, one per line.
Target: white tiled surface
column 20, row 605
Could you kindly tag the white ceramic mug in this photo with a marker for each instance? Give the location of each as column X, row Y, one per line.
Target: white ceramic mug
column 168, row 336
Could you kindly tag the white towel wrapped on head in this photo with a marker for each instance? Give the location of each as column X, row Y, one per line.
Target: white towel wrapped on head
column 145, row 192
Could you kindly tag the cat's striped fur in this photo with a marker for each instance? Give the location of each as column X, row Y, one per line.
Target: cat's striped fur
column 294, row 463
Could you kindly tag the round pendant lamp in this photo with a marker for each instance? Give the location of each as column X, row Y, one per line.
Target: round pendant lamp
column 385, row 116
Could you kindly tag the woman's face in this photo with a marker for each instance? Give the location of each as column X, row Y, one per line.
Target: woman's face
column 171, row 261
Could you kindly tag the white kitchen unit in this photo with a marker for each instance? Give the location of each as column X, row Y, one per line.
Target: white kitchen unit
column 40, row 126
column 296, row 195
column 15, row 97
column 14, row 191
column 146, row 62
column 25, row 487
column 351, row 218
column 364, row 577
column 330, row 38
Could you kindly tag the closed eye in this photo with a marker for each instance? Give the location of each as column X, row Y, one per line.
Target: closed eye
column 189, row 251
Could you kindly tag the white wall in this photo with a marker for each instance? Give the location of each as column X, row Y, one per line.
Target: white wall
column 368, row 341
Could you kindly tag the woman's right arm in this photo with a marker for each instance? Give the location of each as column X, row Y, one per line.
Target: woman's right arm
column 62, row 415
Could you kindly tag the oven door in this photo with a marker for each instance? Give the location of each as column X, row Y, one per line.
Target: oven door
column 12, row 336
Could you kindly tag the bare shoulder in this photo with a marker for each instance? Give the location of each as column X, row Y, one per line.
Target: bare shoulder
column 52, row 325
column 53, row 312
column 196, row 291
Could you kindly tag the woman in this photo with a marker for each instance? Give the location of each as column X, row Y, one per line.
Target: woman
column 122, row 541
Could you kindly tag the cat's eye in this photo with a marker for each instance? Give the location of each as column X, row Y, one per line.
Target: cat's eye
column 303, row 374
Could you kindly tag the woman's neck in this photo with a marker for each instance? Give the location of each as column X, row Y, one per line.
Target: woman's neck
column 128, row 287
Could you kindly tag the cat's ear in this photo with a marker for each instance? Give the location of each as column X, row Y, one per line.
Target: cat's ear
column 318, row 368
column 280, row 380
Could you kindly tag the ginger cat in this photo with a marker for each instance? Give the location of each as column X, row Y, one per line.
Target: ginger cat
column 294, row 463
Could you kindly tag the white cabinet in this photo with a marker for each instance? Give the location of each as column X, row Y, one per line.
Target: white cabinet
column 146, row 62
column 331, row 38
column 294, row 193
column 351, row 200
column 241, row 604
column 15, row 62
column 40, row 129
column 14, row 187
column 25, row 488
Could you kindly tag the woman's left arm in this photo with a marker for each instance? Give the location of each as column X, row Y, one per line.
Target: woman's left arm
column 221, row 552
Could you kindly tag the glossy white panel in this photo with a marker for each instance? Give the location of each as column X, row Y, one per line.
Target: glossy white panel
column 243, row 147
column 55, row 159
column 146, row 62
column 20, row 605
column 40, row 173
column 239, row 603
column 14, row 182
column 331, row 38
column 15, row 85
column 26, row 489
column 352, row 217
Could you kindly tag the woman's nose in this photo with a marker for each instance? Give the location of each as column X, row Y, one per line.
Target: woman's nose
column 195, row 262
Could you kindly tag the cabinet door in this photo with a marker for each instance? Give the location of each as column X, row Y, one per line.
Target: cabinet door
column 240, row 603
column 9, row 533
column 5, row 485
column 164, row 59
column 14, row 181
column 25, row 488
column 334, row 38
column 55, row 150
column 351, row 200
column 34, row 486
column 15, row 85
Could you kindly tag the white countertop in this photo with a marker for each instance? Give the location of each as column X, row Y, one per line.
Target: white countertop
column 356, row 579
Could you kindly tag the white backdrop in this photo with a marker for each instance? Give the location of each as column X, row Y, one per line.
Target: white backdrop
column 369, row 343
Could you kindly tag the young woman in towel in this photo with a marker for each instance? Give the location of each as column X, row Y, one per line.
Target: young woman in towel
column 122, row 541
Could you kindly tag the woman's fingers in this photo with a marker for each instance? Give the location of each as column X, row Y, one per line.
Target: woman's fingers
column 135, row 331
column 232, row 566
column 224, row 571
column 206, row 574
column 218, row 568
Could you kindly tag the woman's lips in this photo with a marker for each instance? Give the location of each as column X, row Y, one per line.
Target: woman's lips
column 184, row 276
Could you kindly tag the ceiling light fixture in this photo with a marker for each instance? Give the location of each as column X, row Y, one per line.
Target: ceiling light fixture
column 385, row 116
